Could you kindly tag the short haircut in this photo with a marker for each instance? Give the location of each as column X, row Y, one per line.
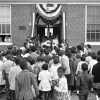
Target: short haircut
column 98, row 58
column 89, row 53
column 23, row 64
column 94, row 56
column 33, row 48
column 79, row 47
column 84, row 67
column 62, row 68
column 88, row 45
column 98, row 53
column 45, row 66
column 30, row 60
column 46, row 51
column 83, row 58
column 56, row 60
column 17, row 60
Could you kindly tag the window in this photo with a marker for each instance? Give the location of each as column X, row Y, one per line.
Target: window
column 5, row 24
column 93, row 23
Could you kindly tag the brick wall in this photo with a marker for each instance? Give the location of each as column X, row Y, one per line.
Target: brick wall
column 75, row 28
column 21, row 15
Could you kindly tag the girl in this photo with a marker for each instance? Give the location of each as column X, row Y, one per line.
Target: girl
column 61, row 87
column 45, row 79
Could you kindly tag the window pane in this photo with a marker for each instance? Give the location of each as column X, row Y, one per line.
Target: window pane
column 97, row 37
column 98, row 10
column 3, row 28
column 88, row 28
column 92, row 37
column 97, row 18
column 2, row 10
column 89, row 19
column 3, row 19
column 93, row 19
column 7, row 10
column 98, row 28
column 93, row 10
column 8, row 28
column 7, row 19
column 88, row 37
column 92, row 28
column 89, row 10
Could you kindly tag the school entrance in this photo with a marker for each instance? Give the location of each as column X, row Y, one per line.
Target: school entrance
column 48, row 22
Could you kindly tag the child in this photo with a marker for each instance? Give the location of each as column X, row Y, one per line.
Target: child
column 45, row 79
column 54, row 68
column 84, row 83
column 61, row 87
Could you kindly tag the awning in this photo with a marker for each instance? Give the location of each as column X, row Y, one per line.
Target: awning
column 49, row 11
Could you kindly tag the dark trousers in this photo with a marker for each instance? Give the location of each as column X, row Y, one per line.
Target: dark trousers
column 12, row 94
column 83, row 97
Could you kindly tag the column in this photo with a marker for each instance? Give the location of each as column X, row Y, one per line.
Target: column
column 33, row 25
column 64, row 21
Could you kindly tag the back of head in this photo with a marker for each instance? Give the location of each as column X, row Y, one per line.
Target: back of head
column 98, row 58
column 83, row 58
column 84, row 67
column 94, row 56
column 23, row 64
column 79, row 47
column 17, row 60
column 89, row 53
column 45, row 66
column 89, row 46
column 73, row 50
column 56, row 60
column 30, row 60
column 9, row 57
column 98, row 53
column 62, row 52
column 33, row 49
column 46, row 51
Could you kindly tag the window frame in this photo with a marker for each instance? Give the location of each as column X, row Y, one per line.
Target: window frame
column 86, row 23
column 7, row 43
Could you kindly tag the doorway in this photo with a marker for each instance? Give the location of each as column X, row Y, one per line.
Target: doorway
column 42, row 33
column 48, row 29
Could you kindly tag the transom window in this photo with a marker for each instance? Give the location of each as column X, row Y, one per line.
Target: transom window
column 5, row 23
column 93, row 23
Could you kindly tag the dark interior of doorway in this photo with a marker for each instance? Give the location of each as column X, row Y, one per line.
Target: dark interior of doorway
column 56, row 33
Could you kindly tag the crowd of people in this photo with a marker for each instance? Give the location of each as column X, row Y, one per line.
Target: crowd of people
column 49, row 70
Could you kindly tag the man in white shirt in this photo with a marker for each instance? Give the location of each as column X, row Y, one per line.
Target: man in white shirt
column 92, row 62
column 14, row 71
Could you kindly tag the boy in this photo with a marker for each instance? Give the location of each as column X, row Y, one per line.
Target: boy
column 84, row 83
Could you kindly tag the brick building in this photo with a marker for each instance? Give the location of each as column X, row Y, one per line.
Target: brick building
column 78, row 21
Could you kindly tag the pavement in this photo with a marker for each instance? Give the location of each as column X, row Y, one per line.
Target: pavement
column 74, row 97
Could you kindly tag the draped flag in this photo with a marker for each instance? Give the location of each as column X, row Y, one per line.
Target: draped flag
column 49, row 11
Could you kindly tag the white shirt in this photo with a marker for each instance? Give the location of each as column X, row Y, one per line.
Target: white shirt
column 62, row 85
column 91, row 64
column 53, row 71
column 79, row 66
column 14, row 71
column 88, row 59
column 1, row 63
column 2, row 81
